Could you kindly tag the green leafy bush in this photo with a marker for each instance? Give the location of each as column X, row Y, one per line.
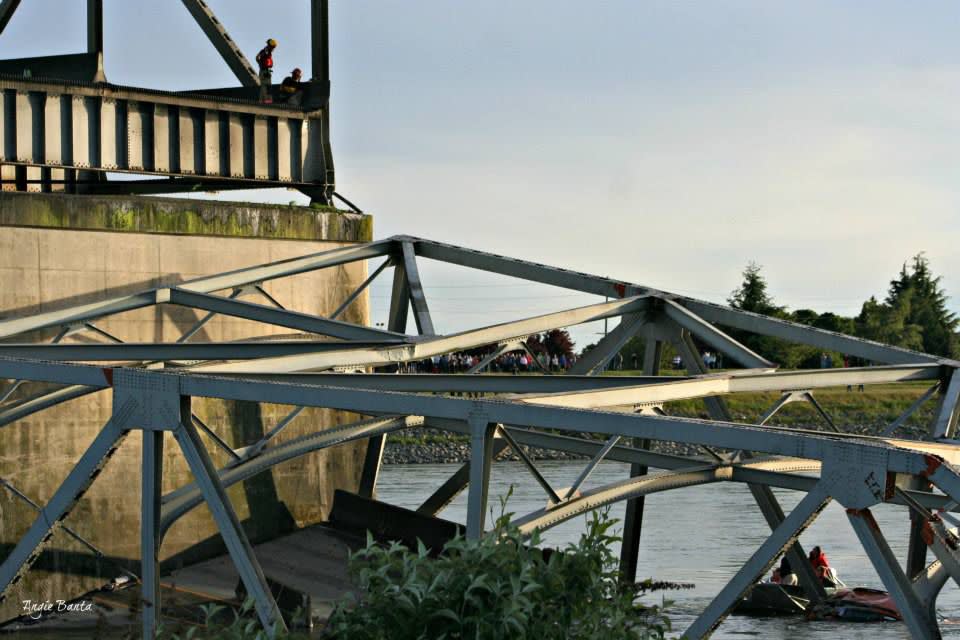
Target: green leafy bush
column 501, row 586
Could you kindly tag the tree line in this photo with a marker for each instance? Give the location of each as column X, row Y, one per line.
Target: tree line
column 913, row 315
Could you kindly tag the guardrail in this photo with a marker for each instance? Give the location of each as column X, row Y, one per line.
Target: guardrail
column 101, row 127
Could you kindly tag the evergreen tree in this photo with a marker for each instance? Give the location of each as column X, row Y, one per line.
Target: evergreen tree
column 920, row 303
column 752, row 294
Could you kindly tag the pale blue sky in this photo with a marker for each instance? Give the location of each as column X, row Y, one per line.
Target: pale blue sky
column 666, row 143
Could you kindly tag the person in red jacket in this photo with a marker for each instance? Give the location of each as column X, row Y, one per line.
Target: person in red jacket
column 820, row 565
column 265, row 62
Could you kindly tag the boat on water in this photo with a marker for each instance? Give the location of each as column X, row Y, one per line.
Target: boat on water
column 851, row 604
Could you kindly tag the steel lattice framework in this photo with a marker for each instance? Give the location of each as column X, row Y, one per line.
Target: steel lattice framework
column 857, row 471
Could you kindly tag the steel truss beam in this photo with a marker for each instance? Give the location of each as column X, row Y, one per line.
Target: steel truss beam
column 281, row 373
column 64, row 499
column 421, row 313
column 223, row 43
column 915, row 615
column 783, row 537
column 238, row 546
column 7, row 7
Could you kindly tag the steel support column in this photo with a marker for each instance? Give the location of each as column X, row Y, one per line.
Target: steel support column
column 456, row 483
column 95, row 26
column 481, row 459
column 917, row 546
column 762, row 559
column 421, row 312
column 150, row 538
column 911, row 608
column 396, row 321
column 633, row 517
column 320, row 41
column 235, row 539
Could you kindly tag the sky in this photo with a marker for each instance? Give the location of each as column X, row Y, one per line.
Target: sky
column 665, row 143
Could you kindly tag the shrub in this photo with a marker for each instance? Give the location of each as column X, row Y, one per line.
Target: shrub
column 501, row 586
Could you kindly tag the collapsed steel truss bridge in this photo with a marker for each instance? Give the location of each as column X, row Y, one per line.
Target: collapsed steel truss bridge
column 153, row 383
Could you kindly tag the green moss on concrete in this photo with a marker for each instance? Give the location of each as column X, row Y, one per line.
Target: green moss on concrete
column 141, row 214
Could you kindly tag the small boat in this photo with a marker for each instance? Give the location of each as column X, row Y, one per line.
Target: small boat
column 773, row 599
column 858, row 604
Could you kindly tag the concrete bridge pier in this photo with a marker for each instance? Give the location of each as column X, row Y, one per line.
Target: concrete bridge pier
column 59, row 250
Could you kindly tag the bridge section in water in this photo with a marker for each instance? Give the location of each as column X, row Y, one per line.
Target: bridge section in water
column 328, row 363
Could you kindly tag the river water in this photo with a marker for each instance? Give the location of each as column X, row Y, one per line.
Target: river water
column 698, row 534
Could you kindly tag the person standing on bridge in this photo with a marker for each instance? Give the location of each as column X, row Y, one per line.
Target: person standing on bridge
column 265, row 62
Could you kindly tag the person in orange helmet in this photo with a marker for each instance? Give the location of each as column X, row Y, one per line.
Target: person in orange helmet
column 265, row 62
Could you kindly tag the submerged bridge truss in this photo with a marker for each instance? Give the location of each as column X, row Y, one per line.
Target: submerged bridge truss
column 153, row 383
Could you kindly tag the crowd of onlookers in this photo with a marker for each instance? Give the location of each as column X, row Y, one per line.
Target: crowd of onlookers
column 510, row 362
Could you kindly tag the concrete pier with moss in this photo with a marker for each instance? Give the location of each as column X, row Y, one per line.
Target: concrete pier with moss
column 59, row 250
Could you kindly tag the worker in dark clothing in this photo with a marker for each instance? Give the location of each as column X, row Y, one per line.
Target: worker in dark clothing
column 291, row 90
column 265, row 62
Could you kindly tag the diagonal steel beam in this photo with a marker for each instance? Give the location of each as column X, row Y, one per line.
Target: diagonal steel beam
column 915, row 615
column 77, row 314
column 182, row 500
column 64, row 499
column 16, row 383
column 820, row 410
column 591, row 466
column 785, row 399
column 279, row 317
column 945, row 424
column 528, row 463
column 199, row 324
column 597, row 358
column 783, row 536
column 763, row 495
column 43, row 401
column 7, row 7
column 421, row 312
column 222, row 42
column 276, row 303
column 899, row 422
column 241, row 552
column 710, row 312
column 284, row 422
column 359, row 290
column 213, row 436
column 493, row 355
column 430, row 346
column 714, row 337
